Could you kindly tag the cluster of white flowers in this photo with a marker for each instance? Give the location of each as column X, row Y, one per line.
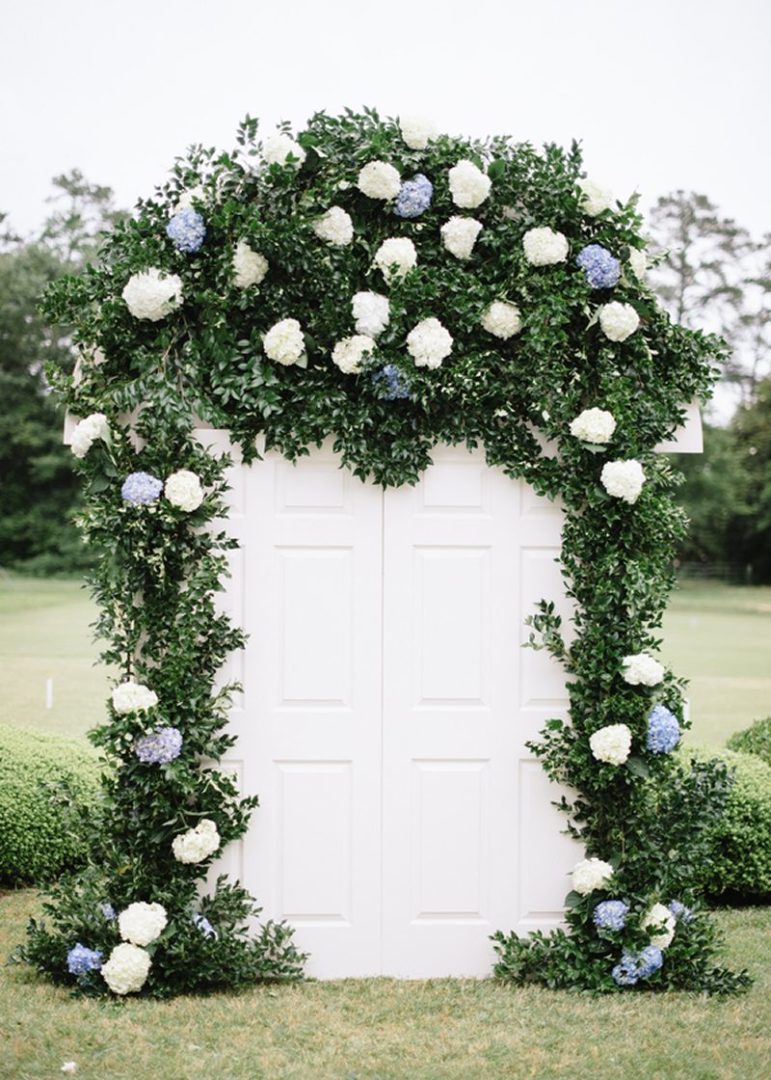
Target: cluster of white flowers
column 395, row 256
column 595, row 198
column 591, row 874
column 349, row 354
column 277, row 148
column 379, row 180
column 152, row 295
column 502, row 319
column 642, row 669
column 371, row 312
column 544, row 247
column 659, row 915
column 459, row 235
column 142, row 923
column 469, row 186
column 127, row 969
column 249, row 267
column 618, row 321
column 336, row 227
column 623, row 479
column 285, row 343
column 611, row 744
column 416, row 131
column 429, row 343
column 183, row 490
column 638, row 261
column 132, row 697
column 87, row 432
column 187, row 198
column 595, row 426
column 196, row 844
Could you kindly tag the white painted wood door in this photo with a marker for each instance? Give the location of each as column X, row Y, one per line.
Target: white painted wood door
column 386, row 706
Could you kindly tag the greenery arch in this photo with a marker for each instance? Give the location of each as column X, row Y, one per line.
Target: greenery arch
column 510, row 305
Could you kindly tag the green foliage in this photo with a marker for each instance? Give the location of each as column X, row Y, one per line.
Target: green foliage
column 46, row 783
column 738, row 863
column 160, row 567
column 756, row 739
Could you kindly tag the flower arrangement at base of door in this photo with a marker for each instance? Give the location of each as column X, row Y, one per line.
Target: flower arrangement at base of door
column 394, row 287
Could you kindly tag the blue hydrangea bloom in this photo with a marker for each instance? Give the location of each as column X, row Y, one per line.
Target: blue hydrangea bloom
column 610, row 915
column 186, row 230
column 81, row 960
column 635, row 966
column 141, row 488
column 108, row 911
column 414, row 197
column 391, row 384
column 680, row 911
column 663, row 730
column 204, row 925
column 602, row 270
column 159, row 747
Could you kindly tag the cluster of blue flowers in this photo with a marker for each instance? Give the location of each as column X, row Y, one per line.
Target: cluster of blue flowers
column 610, row 915
column 80, row 960
column 187, row 231
column 680, row 911
column 204, row 925
column 108, row 911
column 141, row 489
column 636, row 966
column 159, row 747
column 414, row 197
column 391, row 384
column 602, row 270
column 663, row 731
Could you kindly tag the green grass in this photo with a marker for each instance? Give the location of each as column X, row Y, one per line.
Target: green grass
column 381, row 1029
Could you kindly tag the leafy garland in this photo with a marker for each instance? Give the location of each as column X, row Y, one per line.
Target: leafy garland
column 500, row 300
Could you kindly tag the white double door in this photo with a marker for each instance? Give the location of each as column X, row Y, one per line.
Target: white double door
column 386, row 705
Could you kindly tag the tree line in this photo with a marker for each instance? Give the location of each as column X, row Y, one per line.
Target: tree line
column 709, row 272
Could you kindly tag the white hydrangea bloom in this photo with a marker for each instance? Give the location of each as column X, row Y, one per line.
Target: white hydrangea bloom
column 618, row 321
column 417, row 131
column 277, row 148
column 349, row 354
column 595, row 198
column 335, row 227
column 429, row 343
column 87, row 432
column 127, row 969
column 638, row 260
column 132, row 696
column 152, row 295
column 395, row 256
column 187, row 198
column 379, row 180
column 469, row 186
column 285, row 343
column 502, row 319
column 591, row 874
column 594, row 426
column 545, row 247
column 641, row 669
column 249, row 267
column 623, row 479
column 183, row 490
column 459, row 235
column 611, row 744
column 142, row 923
column 196, row 844
column 371, row 312
column 659, row 915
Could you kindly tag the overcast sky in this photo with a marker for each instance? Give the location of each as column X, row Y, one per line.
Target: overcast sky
column 664, row 94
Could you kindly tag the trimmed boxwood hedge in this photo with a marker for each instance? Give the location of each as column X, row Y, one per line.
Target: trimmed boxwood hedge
column 46, row 783
column 756, row 739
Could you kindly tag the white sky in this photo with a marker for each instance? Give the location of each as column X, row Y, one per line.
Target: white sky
column 663, row 93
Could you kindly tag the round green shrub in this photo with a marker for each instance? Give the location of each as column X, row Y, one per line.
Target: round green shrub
column 46, row 783
column 756, row 739
column 739, row 865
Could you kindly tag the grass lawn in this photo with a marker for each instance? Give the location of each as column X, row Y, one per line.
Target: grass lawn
column 381, row 1029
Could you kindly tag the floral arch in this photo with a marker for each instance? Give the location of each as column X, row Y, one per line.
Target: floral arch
column 393, row 287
